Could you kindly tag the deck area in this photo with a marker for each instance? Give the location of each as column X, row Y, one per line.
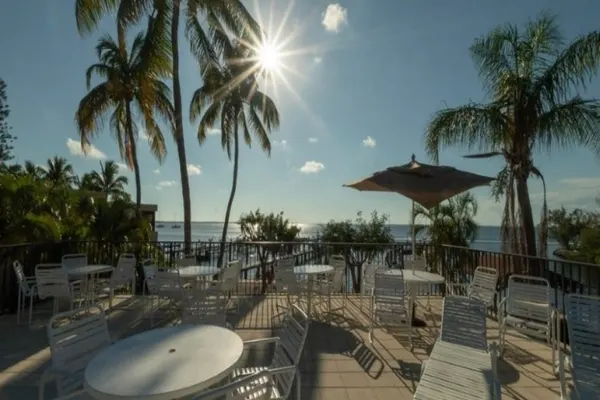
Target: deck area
column 338, row 362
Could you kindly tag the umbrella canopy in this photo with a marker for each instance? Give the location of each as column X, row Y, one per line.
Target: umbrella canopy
column 425, row 184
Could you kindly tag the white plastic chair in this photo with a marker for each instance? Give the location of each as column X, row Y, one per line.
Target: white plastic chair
column 527, row 309
column 482, row 287
column 289, row 344
column 123, row 277
column 205, row 307
column 165, row 285
column 368, row 283
column 391, row 308
column 75, row 337
column 259, row 386
column 74, row 260
column 27, row 290
column 149, row 269
column 333, row 283
column 583, row 321
column 286, row 280
column 227, row 281
column 53, row 281
column 464, row 322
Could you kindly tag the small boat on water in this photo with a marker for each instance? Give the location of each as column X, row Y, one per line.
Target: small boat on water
column 175, row 226
column 160, row 225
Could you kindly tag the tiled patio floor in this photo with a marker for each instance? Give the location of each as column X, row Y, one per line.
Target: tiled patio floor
column 338, row 361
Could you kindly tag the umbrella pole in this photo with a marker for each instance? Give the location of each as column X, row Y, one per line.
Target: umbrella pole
column 414, row 237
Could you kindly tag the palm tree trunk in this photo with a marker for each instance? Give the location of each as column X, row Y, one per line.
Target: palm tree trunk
column 132, row 144
column 231, row 195
column 179, row 140
column 526, row 215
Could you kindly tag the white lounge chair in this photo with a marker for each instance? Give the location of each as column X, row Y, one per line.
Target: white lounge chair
column 527, row 309
column 75, row 338
column 464, row 322
column 123, row 277
column 367, row 283
column 391, row 308
column 262, row 385
column 289, row 344
column 583, row 321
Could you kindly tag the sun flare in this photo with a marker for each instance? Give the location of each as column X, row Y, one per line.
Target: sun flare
column 269, row 57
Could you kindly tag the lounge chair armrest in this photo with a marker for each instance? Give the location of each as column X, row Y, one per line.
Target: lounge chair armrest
column 283, row 370
column 562, row 360
column 52, row 373
column 274, row 339
column 220, row 392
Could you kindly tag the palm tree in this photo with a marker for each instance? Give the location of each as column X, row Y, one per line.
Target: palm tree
column 59, row 172
column 230, row 95
column 451, row 222
column 130, row 12
column 35, row 171
column 532, row 80
column 109, row 182
column 131, row 83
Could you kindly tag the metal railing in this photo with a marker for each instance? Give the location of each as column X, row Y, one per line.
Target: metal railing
column 456, row 264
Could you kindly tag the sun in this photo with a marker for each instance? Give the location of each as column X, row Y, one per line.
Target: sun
column 269, row 57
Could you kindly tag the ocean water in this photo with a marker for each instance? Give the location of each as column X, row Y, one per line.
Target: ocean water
column 488, row 237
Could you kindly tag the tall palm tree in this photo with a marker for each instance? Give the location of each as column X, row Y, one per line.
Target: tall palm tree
column 131, row 85
column 130, row 12
column 230, row 95
column 35, row 171
column 59, row 172
column 109, row 182
column 532, row 79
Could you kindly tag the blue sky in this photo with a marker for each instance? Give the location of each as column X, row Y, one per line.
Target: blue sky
column 363, row 80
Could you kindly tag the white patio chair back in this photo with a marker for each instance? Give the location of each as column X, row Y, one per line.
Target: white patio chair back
column 337, row 261
column 167, row 283
column 528, row 297
column 52, row 281
column 464, row 322
column 149, row 268
column 230, row 276
column 75, row 337
column 124, row 271
column 187, row 260
column 583, row 321
column 204, row 307
column 285, row 278
column 22, row 282
column 336, row 279
column 483, row 286
column 419, row 264
column 368, row 277
column 74, row 260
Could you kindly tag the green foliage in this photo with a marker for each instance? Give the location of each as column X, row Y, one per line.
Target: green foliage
column 269, row 228
column 451, row 222
column 565, row 227
column 6, row 139
column 589, row 244
column 49, row 205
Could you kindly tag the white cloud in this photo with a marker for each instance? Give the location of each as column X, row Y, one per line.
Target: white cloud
column 157, row 171
column 122, row 167
column 572, row 192
column 194, row 169
column 164, row 184
column 334, row 17
column 318, row 60
column 213, row 131
column 369, row 142
column 312, row 140
column 281, row 143
column 311, row 167
column 92, row 151
column 589, row 182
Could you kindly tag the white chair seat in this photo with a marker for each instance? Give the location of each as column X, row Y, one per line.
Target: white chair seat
column 526, row 323
column 263, row 380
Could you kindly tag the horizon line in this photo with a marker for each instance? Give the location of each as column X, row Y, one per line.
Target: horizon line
column 303, row 223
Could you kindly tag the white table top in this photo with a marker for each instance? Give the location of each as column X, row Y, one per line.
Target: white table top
column 460, row 372
column 417, row 276
column 165, row 363
column 89, row 270
column 194, row 271
column 312, row 269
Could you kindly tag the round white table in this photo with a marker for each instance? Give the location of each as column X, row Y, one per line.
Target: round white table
column 89, row 270
column 415, row 278
column 311, row 271
column 163, row 364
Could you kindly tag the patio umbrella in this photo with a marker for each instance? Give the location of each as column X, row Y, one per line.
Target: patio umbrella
column 427, row 185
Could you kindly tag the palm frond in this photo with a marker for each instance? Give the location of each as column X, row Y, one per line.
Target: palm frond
column 264, row 105
column 91, row 112
column 130, row 12
column 471, row 126
column 485, row 155
column 88, row 13
column 258, row 129
column 200, row 43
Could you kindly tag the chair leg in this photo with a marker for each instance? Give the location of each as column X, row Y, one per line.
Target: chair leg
column 30, row 307
column 298, row 384
column 19, row 301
